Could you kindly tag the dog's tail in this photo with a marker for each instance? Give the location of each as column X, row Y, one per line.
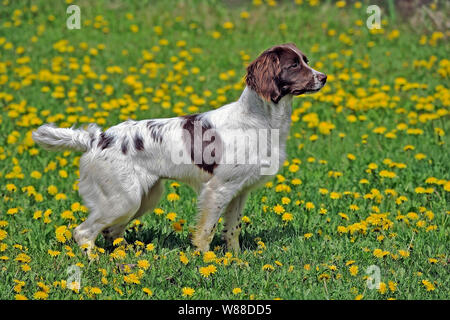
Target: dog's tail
column 51, row 138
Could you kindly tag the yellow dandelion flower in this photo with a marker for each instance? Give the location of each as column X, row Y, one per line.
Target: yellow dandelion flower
column 148, row 291
column 95, row 290
column 287, row 217
column 278, row 209
column 40, row 295
column 173, row 197
column 183, row 258
column 207, row 271
column 187, row 292
column 228, row 25
column 309, row 205
column 171, row 216
column 143, row 264
column 209, row 256
column 268, row 267
column 428, row 285
column 53, row 253
column 237, row 291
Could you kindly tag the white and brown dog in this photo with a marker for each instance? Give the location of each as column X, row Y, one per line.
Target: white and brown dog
column 122, row 169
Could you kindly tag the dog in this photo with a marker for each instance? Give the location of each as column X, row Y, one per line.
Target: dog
column 123, row 168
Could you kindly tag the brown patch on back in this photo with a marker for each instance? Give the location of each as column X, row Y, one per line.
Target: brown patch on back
column 124, row 146
column 105, row 141
column 155, row 130
column 138, row 142
column 196, row 127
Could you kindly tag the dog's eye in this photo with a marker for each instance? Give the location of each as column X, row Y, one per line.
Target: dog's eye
column 294, row 65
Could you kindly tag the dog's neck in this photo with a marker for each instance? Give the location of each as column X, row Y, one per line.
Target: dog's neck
column 277, row 115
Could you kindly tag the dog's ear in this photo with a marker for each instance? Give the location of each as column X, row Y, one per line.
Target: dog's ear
column 262, row 75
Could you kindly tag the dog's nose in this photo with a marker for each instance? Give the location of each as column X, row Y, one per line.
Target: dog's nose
column 322, row 78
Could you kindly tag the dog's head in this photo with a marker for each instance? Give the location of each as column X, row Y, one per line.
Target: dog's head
column 283, row 70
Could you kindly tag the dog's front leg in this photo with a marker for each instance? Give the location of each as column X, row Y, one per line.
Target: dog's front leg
column 232, row 227
column 213, row 199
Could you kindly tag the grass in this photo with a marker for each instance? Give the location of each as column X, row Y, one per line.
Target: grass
column 367, row 176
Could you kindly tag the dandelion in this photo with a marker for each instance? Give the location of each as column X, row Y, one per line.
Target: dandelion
column 380, row 253
column 12, row 211
column 187, row 292
column 37, row 215
column 237, row 291
column 3, row 234
column 52, row 190
column 11, row 187
column 173, row 197
column 134, row 28
column 183, row 258
column 143, row 264
column 36, row 175
column 420, row 156
column 278, row 209
column 131, row 278
column 62, row 234
column 428, row 285
column 95, row 290
column 171, row 216
column 40, row 295
column 22, row 257
column 387, row 174
column 207, row 271
column 382, row 288
column 53, row 253
column 392, row 286
column 268, row 267
column 287, row 217
column 244, row 15
column 209, row 256
column 228, row 25
column 309, row 206
column 147, row 291
column 246, row 219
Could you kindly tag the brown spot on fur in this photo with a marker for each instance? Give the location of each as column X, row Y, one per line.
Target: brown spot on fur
column 105, row 141
column 138, row 142
column 196, row 128
column 124, row 146
column 155, row 130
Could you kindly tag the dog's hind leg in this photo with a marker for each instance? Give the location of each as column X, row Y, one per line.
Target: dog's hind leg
column 110, row 204
column 108, row 213
column 148, row 203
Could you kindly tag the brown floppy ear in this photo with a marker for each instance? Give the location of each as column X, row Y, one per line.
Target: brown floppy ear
column 262, row 76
